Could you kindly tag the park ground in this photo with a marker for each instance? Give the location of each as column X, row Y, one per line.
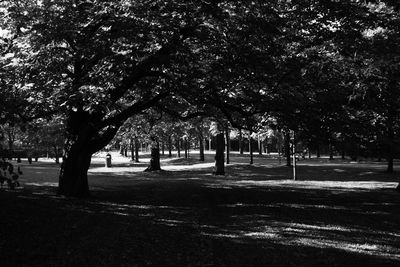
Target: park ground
column 338, row 213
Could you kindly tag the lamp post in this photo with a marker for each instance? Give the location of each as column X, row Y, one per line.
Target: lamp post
column 294, row 155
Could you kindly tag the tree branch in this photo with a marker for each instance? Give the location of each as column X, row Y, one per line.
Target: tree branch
column 144, row 68
column 132, row 110
column 186, row 117
column 102, row 140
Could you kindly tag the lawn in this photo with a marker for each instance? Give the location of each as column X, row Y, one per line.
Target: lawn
column 338, row 213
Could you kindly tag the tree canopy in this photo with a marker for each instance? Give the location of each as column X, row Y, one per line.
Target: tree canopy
column 98, row 63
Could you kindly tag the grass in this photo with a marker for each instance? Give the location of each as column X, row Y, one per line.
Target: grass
column 337, row 214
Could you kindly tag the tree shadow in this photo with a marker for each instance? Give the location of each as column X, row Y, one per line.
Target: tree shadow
column 252, row 216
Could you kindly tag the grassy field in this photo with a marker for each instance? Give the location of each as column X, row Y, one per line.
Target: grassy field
column 337, row 213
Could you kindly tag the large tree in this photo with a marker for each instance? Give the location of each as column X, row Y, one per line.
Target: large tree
column 378, row 89
column 101, row 62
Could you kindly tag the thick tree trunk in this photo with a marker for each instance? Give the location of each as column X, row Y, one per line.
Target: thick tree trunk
column 287, row 149
column 136, row 149
column 219, row 155
column 259, row 145
column 82, row 140
column 251, row 149
column 162, row 149
column 169, row 146
column 228, row 142
column 186, row 148
column 201, row 147
column 154, row 157
column 200, row 135
column 73, row 180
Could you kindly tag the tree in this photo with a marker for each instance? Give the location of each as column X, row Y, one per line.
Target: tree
column 380, row 83
column 102, row 62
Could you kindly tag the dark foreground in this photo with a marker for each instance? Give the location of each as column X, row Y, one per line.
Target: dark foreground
column 251, row 217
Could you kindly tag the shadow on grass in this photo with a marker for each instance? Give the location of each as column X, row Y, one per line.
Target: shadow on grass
column 181, row 223
column 254, row 216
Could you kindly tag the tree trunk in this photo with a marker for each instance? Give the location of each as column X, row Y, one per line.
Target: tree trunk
column 228, row 142
column 201, row 144
column 318, row 151
column 82, row 140
column 154, row 156
column 390, row 165
column 56, row 155
column 259, row 145
column 200, row 135
column 251, row 149
column 169, row 146
column 287, row 149
column 330, row 150
column 162, row 149
column 279, row 147
column 11, row 140
column 178, row 147
column 73, row 180
column 136, row 149
column 266, row 150
column 219, row 155
column 186, row 148
column 132, row 147
column 241, row 148
column 126, row 151
column 390, row 147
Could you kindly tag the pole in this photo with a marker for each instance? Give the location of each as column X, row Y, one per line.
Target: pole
column 294, row 157
column 279, row 146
